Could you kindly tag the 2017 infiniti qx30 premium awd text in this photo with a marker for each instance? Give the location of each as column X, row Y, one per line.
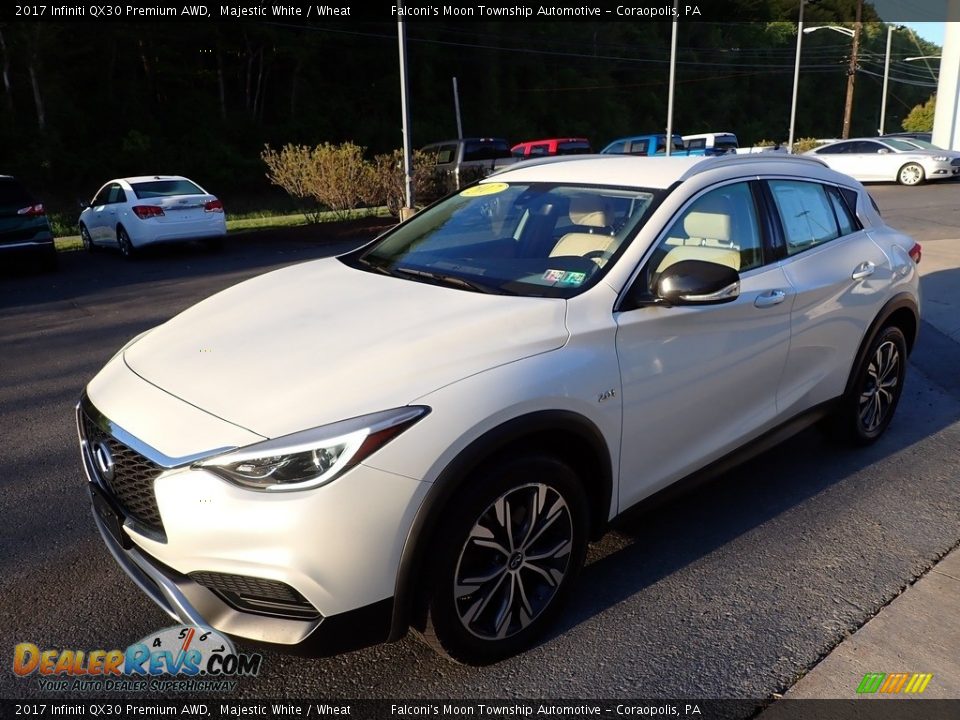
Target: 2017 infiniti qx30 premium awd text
column 427, row 432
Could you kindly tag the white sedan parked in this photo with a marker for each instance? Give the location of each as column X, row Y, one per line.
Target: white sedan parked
column 130, row 213
column 886, row 160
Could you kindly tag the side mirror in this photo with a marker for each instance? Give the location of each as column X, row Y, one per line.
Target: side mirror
column 883, row 151
column 83, row 204
column 697, row 282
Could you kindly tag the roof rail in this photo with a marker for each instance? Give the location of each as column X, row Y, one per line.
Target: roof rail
column 711, row 163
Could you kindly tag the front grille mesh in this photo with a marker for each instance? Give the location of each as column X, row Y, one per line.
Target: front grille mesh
column 257, row 595
column 132, row 483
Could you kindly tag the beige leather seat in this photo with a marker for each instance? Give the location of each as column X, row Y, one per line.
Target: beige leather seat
column 708, row 236
column 589, row 211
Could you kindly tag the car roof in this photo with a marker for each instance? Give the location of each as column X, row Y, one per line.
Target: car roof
column 148, row 178
column 655, row 172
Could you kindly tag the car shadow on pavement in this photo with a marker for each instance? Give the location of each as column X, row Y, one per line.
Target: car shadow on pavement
column 82, row 273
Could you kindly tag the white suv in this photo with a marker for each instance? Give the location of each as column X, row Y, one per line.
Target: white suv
column 428, row 431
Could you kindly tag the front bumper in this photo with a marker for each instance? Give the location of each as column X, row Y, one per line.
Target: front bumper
column 332, row 554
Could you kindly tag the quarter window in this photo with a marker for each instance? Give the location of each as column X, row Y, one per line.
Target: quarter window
column 845, row 219
column 806, row 214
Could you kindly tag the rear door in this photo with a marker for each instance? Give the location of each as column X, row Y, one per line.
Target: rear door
column 840, row 277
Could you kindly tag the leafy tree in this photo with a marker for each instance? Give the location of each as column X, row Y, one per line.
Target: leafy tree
column 920, row 119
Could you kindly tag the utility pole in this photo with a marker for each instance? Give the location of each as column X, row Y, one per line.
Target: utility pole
column 852, row 71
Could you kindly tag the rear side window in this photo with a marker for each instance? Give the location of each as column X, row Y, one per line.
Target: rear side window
column 806, row 213
column 573, row 148
column 117, row 195
column 12, row 193
column 488, row 150
column 164, row 188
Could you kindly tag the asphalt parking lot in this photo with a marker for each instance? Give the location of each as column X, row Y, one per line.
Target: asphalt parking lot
column 734, row 591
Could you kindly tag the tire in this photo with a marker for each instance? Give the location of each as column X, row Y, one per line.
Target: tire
column 126, row 246
column 911, row 174
column 86, row 239
column 866, row 411
column 490, row 593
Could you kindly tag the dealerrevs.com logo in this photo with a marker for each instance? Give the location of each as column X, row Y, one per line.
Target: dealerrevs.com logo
column 179, row 658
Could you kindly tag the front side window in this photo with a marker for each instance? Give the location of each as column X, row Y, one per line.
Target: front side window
column 532, row 239
column 806, row 214
column 721, row 226
column 102, row 197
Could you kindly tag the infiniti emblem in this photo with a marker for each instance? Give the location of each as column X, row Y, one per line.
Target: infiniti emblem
column 103, row 460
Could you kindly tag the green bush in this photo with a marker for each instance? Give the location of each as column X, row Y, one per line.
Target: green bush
column 804, row 144
column 325, row 177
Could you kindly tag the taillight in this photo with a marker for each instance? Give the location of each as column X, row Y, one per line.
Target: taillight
column 916, row 252
column 32, row 210
column 213, row 206
column 147, row 211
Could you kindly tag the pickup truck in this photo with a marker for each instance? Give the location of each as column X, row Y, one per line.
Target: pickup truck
column 653, row 145
column 461, row 162
column 551, row 146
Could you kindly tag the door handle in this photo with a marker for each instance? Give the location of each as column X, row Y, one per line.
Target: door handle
column 863, row 270
column 774, row 297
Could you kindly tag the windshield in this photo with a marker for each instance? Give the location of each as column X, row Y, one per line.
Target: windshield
column 923, row 144
column 899, row 144
column 534, row 239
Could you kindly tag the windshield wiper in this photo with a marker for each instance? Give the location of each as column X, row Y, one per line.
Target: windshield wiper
column 451, row 280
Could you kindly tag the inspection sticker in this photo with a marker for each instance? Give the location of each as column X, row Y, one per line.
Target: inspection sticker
column 564, row 277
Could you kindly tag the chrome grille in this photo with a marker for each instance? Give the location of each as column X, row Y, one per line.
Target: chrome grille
column 132, row 483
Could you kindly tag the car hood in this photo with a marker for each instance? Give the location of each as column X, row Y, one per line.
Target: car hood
column 320, row 342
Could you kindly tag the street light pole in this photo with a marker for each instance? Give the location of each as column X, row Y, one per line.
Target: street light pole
column 886, row 80
column 405, row 112
column 796, row 80
column 852, row 72
column 673, row 77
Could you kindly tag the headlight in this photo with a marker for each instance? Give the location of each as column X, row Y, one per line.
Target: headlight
column 311, row 458
column 940, row 158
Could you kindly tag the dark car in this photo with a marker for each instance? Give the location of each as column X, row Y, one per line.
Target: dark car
column 24, row 229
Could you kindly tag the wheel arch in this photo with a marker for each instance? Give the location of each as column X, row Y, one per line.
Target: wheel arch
column 902, row 311
column 571, row 436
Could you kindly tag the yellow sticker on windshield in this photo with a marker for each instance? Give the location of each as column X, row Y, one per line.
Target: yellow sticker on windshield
column 484, row 189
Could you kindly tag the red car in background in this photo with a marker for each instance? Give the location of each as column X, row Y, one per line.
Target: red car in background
column 551, row 146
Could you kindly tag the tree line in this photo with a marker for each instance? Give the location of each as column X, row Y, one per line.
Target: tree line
column 85, row 102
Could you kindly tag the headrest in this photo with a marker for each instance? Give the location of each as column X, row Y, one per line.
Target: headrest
column 589, row 210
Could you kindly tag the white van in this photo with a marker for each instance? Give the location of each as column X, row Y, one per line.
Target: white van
column 712, row 143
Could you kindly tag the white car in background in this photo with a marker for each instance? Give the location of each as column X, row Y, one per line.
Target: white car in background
column 130, row 213
column 922, row 144
column 427, row 431
column 887, row 159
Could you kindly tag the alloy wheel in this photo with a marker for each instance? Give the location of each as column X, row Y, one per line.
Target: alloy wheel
column 879, row 393
column 513, row 561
